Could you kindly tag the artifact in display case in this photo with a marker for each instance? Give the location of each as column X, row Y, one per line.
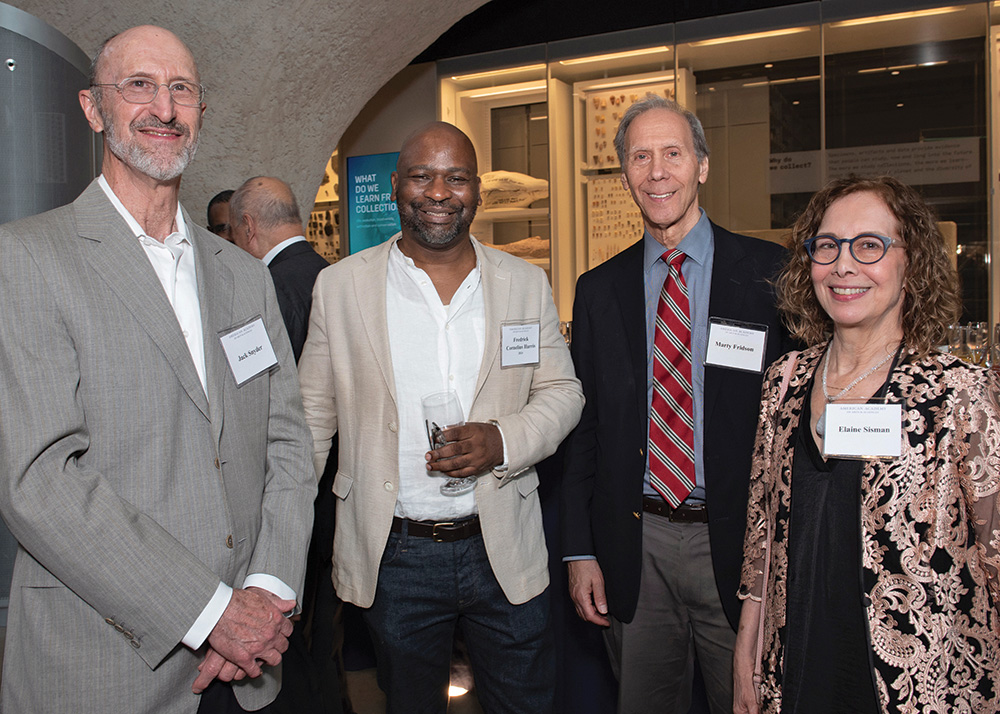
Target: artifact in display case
column 323, row 231
column 509, row 189
column 614, row 219
column 532, row 249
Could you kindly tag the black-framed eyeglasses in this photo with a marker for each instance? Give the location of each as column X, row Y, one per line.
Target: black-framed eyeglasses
column 866, row 248
column 143, row 90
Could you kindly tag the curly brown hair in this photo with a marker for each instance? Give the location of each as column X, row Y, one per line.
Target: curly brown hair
column 931, row 300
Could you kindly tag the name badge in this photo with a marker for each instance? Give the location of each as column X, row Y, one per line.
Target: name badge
column 736, row 345
column 519, row 342
column 248, row 350
column 863, row 431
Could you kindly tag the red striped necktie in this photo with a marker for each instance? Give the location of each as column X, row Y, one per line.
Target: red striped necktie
column 671, row 420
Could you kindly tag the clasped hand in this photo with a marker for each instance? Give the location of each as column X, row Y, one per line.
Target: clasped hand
column 472, row 449
column 252, row 630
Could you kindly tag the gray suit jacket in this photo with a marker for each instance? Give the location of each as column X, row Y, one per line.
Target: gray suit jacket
column 131, row 493
column 348, row 387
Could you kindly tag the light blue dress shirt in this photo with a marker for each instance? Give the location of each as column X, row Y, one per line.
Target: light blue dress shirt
column 699, row 247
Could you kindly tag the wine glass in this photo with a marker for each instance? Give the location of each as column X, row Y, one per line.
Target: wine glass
column 956, row 340
column 442, row 410
column 977, row 336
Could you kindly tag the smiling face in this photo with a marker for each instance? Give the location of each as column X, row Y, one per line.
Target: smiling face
column 853, row 294
column 662, row 171
column 436, row 187
column 155, row 140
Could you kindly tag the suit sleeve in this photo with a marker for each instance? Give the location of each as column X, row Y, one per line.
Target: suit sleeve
column 290, row 488
column 580, row 465
column 63, row 513
column 555, row 399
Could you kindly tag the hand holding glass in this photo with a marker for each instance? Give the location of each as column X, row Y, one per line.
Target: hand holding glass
column 442, row 410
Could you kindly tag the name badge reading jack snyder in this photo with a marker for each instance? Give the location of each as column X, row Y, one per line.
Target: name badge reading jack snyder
column 519, row 343
column 248, row 349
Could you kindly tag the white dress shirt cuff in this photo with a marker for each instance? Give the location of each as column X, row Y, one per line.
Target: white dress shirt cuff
column 209, row 617
column 502, row 468
column 271, row 584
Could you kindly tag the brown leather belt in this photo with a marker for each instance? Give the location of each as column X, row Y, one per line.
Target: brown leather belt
column 685, row 513
column 445, row 532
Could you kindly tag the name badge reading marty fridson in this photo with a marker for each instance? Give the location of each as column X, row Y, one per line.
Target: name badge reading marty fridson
column 736, row 345
column 519, row 343
column 248, row 350
column 863, row 431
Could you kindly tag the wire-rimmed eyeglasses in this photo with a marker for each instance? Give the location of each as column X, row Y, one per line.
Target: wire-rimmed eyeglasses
column 143, row 90
column 866, row 248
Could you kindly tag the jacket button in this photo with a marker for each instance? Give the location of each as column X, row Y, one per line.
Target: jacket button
column 392, row 427
column 109, row 621
column 641, row 452
column 216, row 462
column 129, row 635
column 229, row 541
column 388, row 486
column 636, row 514
column 134, row 643
column 119, row 628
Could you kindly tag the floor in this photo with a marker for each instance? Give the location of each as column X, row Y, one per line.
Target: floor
column 367, row 698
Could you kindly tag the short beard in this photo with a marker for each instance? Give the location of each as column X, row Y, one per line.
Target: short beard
column 144, row 161
column 408, row 219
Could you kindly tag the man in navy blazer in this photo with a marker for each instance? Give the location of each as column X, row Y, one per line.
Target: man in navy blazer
column 663, row 580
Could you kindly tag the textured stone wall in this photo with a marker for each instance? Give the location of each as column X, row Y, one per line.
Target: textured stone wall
column 284, row 77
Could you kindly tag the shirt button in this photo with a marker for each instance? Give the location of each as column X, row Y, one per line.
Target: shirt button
column 388, row 486
column 229, row 541
column 392, row 427
column 451, row 378
column 185, row 333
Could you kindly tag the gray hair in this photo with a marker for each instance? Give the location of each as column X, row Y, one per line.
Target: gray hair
column 95, row 65
column 271, row 210
column 655, row 101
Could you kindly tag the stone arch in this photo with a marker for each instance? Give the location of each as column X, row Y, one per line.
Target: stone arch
column 285, row 78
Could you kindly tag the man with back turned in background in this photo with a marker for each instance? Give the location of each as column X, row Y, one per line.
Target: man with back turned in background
column 156, row 460
column 656, row 474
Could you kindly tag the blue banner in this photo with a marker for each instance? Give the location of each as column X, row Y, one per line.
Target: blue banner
column 371, row 214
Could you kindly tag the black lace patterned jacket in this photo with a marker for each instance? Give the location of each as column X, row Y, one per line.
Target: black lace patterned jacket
column 930, row 536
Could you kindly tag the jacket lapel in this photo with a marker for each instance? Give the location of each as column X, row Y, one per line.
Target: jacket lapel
column 630, row 292
column 729, row 285
column 369, row 289
column 496, row 297
column 215, row 295
column 117, row 257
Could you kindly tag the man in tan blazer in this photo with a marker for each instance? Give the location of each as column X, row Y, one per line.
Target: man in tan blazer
column 433, row 310
column 162, row 504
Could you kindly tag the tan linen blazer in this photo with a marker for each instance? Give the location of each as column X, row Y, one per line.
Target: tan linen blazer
column 348, row 388
column 131, row 492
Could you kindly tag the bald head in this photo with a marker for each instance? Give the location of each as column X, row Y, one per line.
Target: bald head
column 132, row 44
column 436, row 136
column 262, row 213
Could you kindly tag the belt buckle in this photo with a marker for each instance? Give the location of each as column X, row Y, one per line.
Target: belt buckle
column 434, row 531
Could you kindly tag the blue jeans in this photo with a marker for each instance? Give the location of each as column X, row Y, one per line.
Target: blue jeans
column 424, row 590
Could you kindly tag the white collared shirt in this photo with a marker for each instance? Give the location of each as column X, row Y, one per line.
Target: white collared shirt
column 174, row 263
column 435, row 347
column 273, row 253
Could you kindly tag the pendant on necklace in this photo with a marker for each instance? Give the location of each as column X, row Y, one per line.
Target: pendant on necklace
column 821, row 424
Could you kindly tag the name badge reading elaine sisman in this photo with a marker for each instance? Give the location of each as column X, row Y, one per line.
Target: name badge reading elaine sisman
column 736, row 345
column 863, row 431
column 519, row 342
column 248, row 350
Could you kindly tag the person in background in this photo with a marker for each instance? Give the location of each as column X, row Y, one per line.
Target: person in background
column 431, row 311
column 218, row 215
column 880, row 552
column 158, row 485
column 655, row 482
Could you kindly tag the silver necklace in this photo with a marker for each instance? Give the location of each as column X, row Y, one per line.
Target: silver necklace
column 821, row 424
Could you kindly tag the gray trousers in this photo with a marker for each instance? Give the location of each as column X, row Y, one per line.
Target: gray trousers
column 679, row 616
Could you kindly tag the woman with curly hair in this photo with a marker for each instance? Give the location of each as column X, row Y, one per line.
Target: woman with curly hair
column 879, row 576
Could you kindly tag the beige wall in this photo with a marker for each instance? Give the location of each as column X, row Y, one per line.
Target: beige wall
column 284, row 79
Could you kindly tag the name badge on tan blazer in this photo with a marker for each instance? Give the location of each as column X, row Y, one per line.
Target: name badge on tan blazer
column 248, row 350
column 519, row 343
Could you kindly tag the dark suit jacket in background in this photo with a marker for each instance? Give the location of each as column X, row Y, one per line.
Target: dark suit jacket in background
column 606, row 453
column 294, row 272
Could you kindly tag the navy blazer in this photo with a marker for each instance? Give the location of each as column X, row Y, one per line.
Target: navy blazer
column 601, row 508
column 294, row 272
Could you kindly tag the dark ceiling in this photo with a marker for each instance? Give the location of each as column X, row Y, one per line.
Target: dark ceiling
column 502, row 24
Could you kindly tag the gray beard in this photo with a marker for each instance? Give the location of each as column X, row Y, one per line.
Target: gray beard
column 428, row 237
column 146, row 162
